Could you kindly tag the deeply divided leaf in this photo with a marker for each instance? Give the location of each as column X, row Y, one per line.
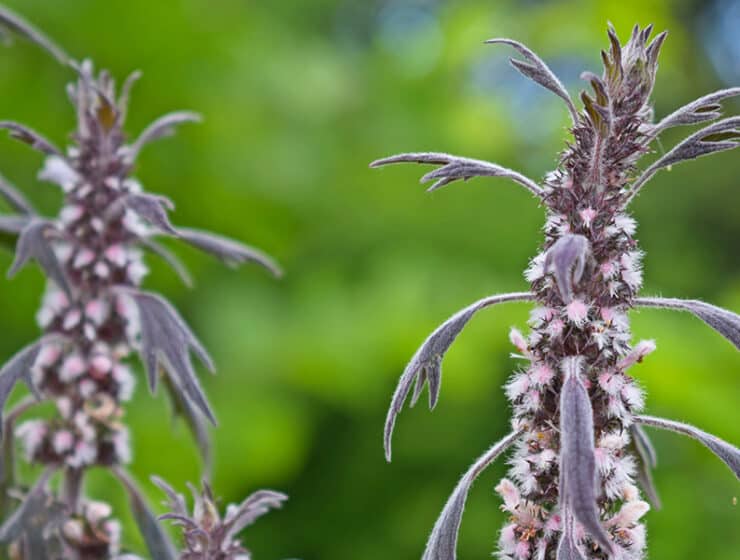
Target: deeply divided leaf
column 17, row 368
column 34, row 242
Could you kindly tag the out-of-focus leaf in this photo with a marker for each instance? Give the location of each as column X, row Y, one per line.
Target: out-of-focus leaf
column 193, row 419
column 167, row 340
column 577, row 460
column 566, row 260
column 160, row 128
column 425, row 365
column 723, row 321
column 15, row 198
column 536, row 70
column 442, row 543
column 253, row 507
column 170, row 258
column 227, row 250
column 456, row 168
column 36, row 512
column 18, row 367
column 727, row 452
column 13, row 22
column 33, row 243
column 157, row 541
column 30, row 137
column 175, row 501
column 646, row 461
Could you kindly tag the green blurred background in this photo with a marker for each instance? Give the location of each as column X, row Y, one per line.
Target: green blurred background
column 298, row 98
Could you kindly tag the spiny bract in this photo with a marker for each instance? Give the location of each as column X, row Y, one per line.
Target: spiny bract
column 577, row 433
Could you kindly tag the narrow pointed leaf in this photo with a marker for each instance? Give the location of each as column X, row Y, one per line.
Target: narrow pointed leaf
column 456, row 168
column 33, row 243
column 170, row 258
column 175, row 501
column 227, row 250
column 567, row 546
column 193, row 419
column 166, row 340
column 30, row 137
column 566, row 260
column 13, row 22
column 727, row 452
column 152, row 209
column 13, row 224
column 160, row 128
column 425, row 365
column 17, row 368
column 442, row 543
column 252, row 508
column 15, row 198
column 31, row 510
column 704, row 109
column 718, row 137
column 536, row 70
column 577, row 460
column 646, row 461
column 157, row 541
column 723, row 321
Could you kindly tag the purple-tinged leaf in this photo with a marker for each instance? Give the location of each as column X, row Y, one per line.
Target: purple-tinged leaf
column 166, row 340
column 15, row 198
column 567, row 547
column 577, row 460
column 123, row 99
column 160, row 128
column 706, row 108
column 176, row 264
column 152, row 209
column 425, row 365
column 13, row 22
column 33, row 243
column 456, row 168
column 253, row 507
column 36, row 510
column 721, row 320
column 30, row 137
column 175, row 501
column 183, row 407
column 566, row 260
column 17, row 368
column 157, row 542
column 442, row 543
column 13, row 224
column 727, row 452
column 646, row 461
column 718, row 137
column 536, row 70
column 227, row 250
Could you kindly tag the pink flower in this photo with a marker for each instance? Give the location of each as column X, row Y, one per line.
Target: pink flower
column 577, row 312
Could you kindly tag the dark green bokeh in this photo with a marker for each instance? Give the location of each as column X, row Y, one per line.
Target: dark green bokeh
column 298, row 98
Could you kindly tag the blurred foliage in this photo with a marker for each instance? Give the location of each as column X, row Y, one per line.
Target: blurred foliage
column 298, row 98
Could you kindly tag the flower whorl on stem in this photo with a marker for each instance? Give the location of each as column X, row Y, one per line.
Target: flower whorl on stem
column 579, row 448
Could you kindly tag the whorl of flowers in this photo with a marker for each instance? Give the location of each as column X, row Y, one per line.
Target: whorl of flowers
column 94, row 315
column 579, row 449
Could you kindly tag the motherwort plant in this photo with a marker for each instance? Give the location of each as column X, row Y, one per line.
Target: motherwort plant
column 94, row 315
column 577, row 432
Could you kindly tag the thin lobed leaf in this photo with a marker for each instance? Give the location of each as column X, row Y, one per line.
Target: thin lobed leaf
column 723, row 321
column 176, row 501
column 15, row 198
column 566, row 260
column 227, row 250
column 456, row 168
column 31, row 137
column 728, row 453
column 160, row 128
column 425, row 365
column 13, row 22
column 252, row 508
column 123, row 99
column 152, row 209
column 704, row 109
column 183, row 407
column 33, row 243
column 170, row 258
column 646, row 461
column 577, row 459
column 536, row 70
column 717, row 137
column 567, row 546
column 17, row 368
column 442, row 543
column 167, row 340
column 157, row 542
column 33, row 509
